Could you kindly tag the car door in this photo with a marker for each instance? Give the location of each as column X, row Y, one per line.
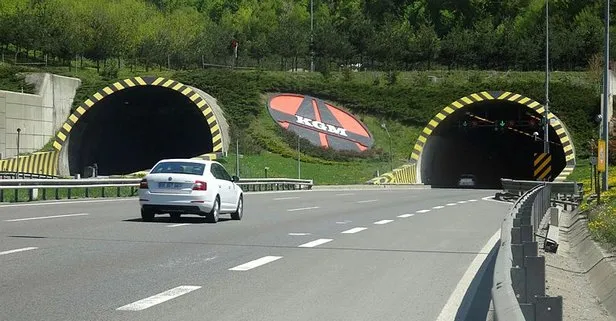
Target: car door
column 225, row 190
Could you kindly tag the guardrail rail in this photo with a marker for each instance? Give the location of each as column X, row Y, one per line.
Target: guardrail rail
column 566, row 191
column 518, row 291
column 44, row 189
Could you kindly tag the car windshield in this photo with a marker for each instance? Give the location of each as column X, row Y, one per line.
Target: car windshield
column 189, row 168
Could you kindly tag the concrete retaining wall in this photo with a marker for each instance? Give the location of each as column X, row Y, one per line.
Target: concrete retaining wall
column 38, row 115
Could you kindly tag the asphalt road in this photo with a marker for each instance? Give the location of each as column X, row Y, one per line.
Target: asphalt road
column 316, row 255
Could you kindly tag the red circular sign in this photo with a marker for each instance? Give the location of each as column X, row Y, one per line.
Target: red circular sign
column 319, row 122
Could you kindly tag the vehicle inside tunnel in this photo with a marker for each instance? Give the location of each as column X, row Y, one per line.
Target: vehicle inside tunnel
column 488, row 140
column 132, row 129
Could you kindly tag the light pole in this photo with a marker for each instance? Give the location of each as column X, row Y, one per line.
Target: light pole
column 606, row 90
column 311, row 35
column 299, row 162
column 237, row 157
column 391, row 166
column 546, row 126
column 18, row 137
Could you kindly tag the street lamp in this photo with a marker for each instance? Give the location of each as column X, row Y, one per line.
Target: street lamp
column 546, row 126
column 299, row 162
column 18, row 136
column 606, row 91
column 390, row 153
column 311, row 35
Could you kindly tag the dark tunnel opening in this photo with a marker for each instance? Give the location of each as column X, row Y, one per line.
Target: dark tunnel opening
column 132, row 129
column 474, row 141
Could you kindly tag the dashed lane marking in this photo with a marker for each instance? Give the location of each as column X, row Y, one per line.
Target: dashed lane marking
column 405, row 215
column 423, row 211
column 367, row 201
column 302, row 209
column 438, row 207
column 255, row 263
column 316, row 243
column 45, row 217
column 354, row 230
column 285, row 198
column 381, row 222
column 18, row 250
column 159, row 298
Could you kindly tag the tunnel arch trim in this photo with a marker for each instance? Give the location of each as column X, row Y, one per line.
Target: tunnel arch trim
column 204, row 107
column 558, row 126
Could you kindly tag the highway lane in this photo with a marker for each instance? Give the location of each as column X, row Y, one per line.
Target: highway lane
column 85, row 267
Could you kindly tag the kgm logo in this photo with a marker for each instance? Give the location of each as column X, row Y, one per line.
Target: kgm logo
column 319, row 122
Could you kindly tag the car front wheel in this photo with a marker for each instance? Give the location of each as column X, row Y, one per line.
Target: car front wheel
column 239, row 212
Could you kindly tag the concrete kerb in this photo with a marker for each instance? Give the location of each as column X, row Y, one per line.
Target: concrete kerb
column 370, row 187
column 595, row 261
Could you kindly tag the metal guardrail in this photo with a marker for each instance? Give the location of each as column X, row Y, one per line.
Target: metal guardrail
column 128, row 186
column 13, row 175
column 570, row 190
column 518, row 291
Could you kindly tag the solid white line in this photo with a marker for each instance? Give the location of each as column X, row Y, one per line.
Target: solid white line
column 490, row 199
column 462, row 202
column 302, row 209
column 452, row 204
column 316, row 243
column 285, row 198
column 45, row 217
column 178, row 225
column 453, row 303
column 354, row 230
column 256, row 263
column 299, row 234
column 406, row 215
column 367, row 201
column 381, row 222
column 70, row 202
column 18, row 250
column 423, row 211
column 438, row 207
column 159, row 298
column 345, row 194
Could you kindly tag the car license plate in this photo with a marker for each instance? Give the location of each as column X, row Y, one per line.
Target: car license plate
column 170, row 185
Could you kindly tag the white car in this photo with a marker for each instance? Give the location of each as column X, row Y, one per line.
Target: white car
column 189, row 186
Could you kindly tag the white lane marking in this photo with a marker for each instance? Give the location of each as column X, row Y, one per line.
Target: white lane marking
column 70, row 202
column 423, row 211
column 406, row 215
column 381, row 222
column 367, row 201
column 45, row 217
column 452, row 204
column 343, row 222
column 455, row 299
column 302, row 209
column 354, row 230
column 256, row 263
column 316, row 243
column 159, row 298
column 178, row 225
column 491, row 199
column 299, row 234
column 472, row 200
column 18, row 250
column 438, row 207
column 462, row 202
column 345, row 194
column 285, row 198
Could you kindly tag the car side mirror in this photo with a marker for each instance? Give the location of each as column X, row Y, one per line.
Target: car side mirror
column 234, row 178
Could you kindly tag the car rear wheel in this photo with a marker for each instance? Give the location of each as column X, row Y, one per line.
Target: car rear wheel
column 239, row 212
column 212, row 216
column 147, row 216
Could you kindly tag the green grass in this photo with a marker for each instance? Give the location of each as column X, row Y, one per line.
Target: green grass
column 253, row 166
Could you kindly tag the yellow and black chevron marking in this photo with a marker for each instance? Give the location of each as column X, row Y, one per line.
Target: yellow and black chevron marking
column 542, row 166
column 557, row 125
column 45, row 163
column 406, row 174
column 206, row 109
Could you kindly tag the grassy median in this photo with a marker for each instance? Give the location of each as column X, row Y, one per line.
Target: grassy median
column 24, row 195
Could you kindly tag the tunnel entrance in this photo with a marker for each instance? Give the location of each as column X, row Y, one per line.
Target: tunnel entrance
column 490, row 140
column 130, row 130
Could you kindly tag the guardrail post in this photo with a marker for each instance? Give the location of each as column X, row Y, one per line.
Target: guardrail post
column 16, row 195
column 549, row 308
column 87, row 192
column 57, row 194
column 103, row 191
column 44, row 194
column 535, row 277
column 118, row 191
column 528, row 310
column 69, row 193
column 518, row 282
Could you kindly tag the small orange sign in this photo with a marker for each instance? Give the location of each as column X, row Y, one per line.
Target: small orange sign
column 601, row 156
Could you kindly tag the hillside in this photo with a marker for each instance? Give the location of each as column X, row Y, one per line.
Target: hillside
column 405, row 104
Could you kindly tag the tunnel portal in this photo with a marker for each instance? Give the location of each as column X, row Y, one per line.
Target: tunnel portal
column 131, row 129
column 491, row 139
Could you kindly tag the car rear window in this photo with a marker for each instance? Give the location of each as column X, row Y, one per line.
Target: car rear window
column 189, row 168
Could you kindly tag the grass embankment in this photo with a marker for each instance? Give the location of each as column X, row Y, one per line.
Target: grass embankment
column 22, row 195
column 602, row 217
